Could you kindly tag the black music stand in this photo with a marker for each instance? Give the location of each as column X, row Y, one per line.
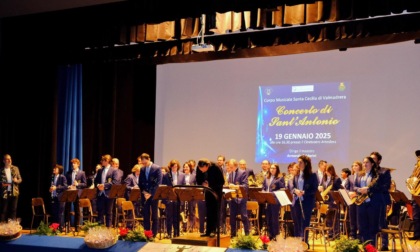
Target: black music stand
column 134, row 195
column 399, row 196
column 88, row 193
column 68, row 196
column 117, row 191
column 189, row 193
column 253, row 192
column 239, row 193
column 265, row 198
column 165, row 192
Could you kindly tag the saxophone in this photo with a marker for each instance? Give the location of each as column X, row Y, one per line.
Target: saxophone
column 413, row 182
column 324, row 193
column 359, row 199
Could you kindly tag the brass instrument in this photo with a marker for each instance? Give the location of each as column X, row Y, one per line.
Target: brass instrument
column 413, row 182
column 324, row 193
column 184, row 213
column 389, row 208
column 252, row 181
column 359, row 199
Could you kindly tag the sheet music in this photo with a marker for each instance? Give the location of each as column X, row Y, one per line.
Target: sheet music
column 345, row 196
column 282, row 197
column 227, row 190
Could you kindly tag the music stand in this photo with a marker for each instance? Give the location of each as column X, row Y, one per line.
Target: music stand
column 88, row 193
column 68, row 196
column 399, row 196
column 165, row 192
column 253, row 192
column 117, row 191
column 189, row 193
column 266, row 197
column 134, row 195
column 239, row 193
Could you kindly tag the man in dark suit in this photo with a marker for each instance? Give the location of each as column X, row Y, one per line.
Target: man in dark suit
column 104, row 180
column 237, row 206
column 58, row 186
column 150, row 179
column 210, row 175
column 76, row 180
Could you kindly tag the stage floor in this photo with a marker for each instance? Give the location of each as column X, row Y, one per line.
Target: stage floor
column 196, row 240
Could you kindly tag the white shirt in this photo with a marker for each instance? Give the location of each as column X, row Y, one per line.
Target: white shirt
column 8, row 177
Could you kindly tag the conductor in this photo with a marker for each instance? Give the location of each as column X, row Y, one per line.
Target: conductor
column 210, row 175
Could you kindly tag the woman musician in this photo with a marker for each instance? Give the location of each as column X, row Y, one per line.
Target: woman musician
column 304, row 185
column 331, row 182
column 274, row 181
column 371, row 188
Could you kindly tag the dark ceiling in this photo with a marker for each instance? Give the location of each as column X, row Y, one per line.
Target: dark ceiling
column 129, row 30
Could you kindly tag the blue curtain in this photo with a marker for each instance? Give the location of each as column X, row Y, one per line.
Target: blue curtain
column 69, row 115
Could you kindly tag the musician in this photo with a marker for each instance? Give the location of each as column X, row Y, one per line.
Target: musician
column 189, row 207
column 104, row 180
column 331, row 182
column 209, row 175
column 294, row 170
column 173, row 178
column 150, row 179
column 10, row 179
column 416, row 207
column 58, row 186
column 322, row 165
column 305, row 185
column 393, row 212
column 273, row 182
column 76, row 180
column 259, row 178
column 356, row 168
column 237, row 206
column 386, row 173
column 132, row 182
column 249, row 171
column 373, row 184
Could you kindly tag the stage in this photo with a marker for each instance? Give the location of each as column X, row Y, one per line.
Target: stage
column 42, row 243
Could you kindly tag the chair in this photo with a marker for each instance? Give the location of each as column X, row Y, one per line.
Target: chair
column 322, row 227
column 343, row 220
column 253, row 209
column 118, row 210
column 395, row 231
column 86, row 211
column 129, row 214
column 286, row 221
column 38, row 211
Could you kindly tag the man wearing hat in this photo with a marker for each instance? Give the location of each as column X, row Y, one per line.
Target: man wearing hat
column 416, row 207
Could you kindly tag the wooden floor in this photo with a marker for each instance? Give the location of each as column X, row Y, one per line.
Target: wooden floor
column 225, row 239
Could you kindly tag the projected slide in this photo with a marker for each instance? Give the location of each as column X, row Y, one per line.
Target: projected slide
column 310, row 119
